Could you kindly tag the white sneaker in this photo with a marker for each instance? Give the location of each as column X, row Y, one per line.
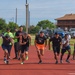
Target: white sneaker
column 22, row 63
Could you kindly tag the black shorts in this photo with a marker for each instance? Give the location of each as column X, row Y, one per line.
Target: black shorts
column 18, row 46
column 6, row 47
column 65, row 49
column 24, row 49
column 56, row 49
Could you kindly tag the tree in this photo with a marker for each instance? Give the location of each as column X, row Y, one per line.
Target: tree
column 12, row 26
column 3, row 25
column 34, row 29
column 46, row 23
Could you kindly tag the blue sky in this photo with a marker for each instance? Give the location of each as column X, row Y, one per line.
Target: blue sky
column 39, row 10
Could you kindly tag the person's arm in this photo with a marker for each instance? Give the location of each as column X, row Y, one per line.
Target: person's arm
column 29, row 39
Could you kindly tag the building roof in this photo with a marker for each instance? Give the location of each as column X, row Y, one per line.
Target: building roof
column 67, row 17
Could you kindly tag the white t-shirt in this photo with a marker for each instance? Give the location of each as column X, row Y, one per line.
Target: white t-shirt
column 65, row 40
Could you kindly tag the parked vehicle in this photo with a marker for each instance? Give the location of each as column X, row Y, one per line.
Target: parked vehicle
column 60, row 31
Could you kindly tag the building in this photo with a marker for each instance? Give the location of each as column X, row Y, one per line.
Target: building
column 67, row 21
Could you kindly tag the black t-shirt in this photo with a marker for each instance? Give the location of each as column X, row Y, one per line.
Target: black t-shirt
column 19, row 33
column 40, row 40
column 56, row 41
column 25, row 40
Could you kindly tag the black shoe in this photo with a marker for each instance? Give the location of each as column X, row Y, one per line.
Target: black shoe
column 67, row 61
column 40, row 62
column 18, row 58
column 7, row 62
column 15, row 58
column 56, row 62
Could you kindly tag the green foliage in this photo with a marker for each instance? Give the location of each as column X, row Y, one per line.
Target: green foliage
column 3, row 25
column 34, row 29
column 46, row 23
column 12, row 26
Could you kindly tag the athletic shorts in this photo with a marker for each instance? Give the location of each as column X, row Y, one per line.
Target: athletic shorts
column 40, row 47
column 6, row 47
column 65, row 49
column 56, row 49
column 24, row 49
column 18, row 46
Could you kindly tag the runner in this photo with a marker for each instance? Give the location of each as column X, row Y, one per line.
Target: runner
column 40, row 44
column 56, row 44
column 74, row 52
column 25, row 46
column 18, row 34
column 15, row 45
column 10, row 35
column 65, row 47
column 6, row 47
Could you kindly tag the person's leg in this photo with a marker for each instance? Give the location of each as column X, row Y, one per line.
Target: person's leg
column 69, row 53
column 74, row 55
column 55, row 54
column 74, row 52
column 10, row 47
column 7, row 56
column 62, row 54
column 26, row 53
column 15, row 49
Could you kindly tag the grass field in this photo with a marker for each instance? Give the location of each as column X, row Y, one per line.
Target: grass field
column 33, row 37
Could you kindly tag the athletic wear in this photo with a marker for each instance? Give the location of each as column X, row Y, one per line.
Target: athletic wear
column 40, row 40
column 56, row 42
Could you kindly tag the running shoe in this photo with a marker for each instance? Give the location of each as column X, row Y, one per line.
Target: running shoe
column 7, row 62
column 22, row 63
column 56, row 62
column 40, row 62
column 67, row 61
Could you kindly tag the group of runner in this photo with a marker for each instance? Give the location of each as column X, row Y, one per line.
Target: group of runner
column 21, row 41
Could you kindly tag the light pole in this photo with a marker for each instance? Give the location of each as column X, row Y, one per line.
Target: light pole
column 27, row 16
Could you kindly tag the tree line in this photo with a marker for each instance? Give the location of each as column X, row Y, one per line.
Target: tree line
column 32, row 29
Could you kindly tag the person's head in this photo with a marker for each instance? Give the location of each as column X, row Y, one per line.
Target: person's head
column 21, row 28
column 41, row 33
column 66, row 36
column 25, row 35
column 56, row 35
column 8, row 30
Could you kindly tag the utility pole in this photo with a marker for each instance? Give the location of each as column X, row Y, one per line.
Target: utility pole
column 16, row 17
column 27, row 16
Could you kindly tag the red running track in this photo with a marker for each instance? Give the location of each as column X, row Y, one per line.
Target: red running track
column 48, row 67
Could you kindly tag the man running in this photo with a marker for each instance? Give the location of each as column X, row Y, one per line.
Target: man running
column 18, row 34
column 74, row 52
column 11, row 36
column 6, row 47
column 56, row 43
column 40, row 44
column 65, row 47
column 24, row 46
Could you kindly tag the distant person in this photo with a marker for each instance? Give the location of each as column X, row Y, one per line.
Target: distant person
column 65, row 47
column 25, row 42
column 11, row 36
column 74, row 52
column 15, row 44
column 40, row 44
column 6, row 47
column 56, row 44
column 17, row 36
